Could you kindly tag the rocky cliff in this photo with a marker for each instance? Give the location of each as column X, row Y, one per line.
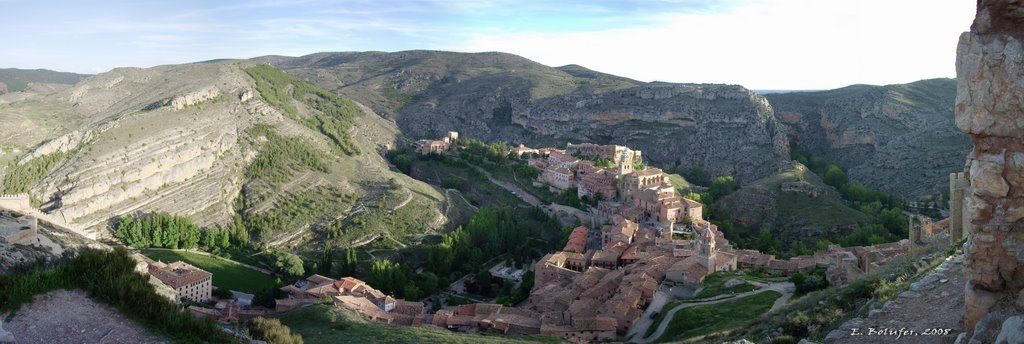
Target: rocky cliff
column 180, row 139
column 896, row 138
column 727, row 129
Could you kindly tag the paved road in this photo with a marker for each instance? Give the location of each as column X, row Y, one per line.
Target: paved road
column 785, row 288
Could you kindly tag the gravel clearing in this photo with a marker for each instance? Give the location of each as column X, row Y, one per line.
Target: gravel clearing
column 69, row 316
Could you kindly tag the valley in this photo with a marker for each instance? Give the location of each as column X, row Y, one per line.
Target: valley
column 414, row 172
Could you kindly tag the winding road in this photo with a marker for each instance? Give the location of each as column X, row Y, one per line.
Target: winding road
column 784, row 288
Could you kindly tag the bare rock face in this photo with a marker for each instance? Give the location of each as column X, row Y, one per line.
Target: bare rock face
column 3, row 88
column 900, row 139
column 989, row 107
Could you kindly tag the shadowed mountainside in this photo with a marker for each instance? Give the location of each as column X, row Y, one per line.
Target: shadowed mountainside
column 727, row 129
column 899, row 139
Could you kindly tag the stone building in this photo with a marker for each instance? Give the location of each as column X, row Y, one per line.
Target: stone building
column 558, row 177
column 189, row 282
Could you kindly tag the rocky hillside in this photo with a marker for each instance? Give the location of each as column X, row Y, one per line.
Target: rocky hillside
column 17, row 80
column 899, row 139
column 207, row 140
column 726, row 129
column 795, row 205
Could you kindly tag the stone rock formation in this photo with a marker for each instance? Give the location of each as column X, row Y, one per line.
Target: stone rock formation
column 989, row 107
column 3, row 88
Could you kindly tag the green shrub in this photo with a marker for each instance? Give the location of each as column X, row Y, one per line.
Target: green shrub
column 272, row 331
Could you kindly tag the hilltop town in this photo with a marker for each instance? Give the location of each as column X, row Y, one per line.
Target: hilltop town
column 645, row 240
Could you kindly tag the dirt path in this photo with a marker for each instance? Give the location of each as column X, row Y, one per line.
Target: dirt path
column 405, row 202
column 64, row 316
column 786, row 289
column 935, row 301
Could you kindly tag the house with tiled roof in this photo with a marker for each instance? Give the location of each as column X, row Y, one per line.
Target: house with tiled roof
column 189, row 282
column 577, row 240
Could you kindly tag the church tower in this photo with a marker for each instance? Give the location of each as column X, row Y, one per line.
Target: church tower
column 708, row 251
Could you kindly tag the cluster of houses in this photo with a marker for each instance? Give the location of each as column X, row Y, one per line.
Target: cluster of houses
column 352, row 293
column 598, row 286
column 616, row 177
column 425, row 147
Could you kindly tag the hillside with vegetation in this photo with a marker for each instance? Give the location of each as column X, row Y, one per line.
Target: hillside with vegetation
column 899, row 139
column 502, row 97
column 811, row 204
column 236, row 147
column 17, row 80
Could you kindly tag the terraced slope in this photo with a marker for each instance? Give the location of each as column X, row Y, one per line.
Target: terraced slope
column 207, row 140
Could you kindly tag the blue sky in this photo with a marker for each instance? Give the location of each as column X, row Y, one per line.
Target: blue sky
column 761, row 44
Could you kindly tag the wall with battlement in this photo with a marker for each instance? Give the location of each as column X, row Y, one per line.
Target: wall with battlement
column 19, row 202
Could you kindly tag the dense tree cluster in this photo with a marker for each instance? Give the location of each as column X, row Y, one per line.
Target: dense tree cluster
column 288, row 263
column 494, row 231
column 522, row 234
column 109, row 277
column 20, row 176
column 158, row 230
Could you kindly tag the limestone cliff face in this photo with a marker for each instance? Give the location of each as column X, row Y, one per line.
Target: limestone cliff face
column 493, row 96
column 897, row 138
column 176, row 139
column 989, row 107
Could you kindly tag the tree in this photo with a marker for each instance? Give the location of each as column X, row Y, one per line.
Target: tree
column 403, row 162
column 326, row 259
column 834, row 176
column 288, row 263
column 697, row 175
column 722, row 186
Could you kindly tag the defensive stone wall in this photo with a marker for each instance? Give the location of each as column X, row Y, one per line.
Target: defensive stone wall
column 989, row 107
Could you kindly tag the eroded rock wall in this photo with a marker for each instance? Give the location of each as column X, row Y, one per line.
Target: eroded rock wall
column 990, row 108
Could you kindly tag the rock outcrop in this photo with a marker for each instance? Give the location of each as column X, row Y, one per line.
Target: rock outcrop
column 989, row 107
column 3, row 88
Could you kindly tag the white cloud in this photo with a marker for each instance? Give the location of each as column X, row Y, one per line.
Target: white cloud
column 777, row 44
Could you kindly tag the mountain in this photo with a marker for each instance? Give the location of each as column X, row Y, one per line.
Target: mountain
column 900, row 139
column 17, row 80
column 726, row 129
column 212, row 140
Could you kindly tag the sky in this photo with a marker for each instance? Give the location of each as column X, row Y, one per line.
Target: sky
column 760, row 44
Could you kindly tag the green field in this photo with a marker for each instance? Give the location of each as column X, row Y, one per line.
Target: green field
column 226, row 274
column 714, row 285
column 329, row 324
column 708, row 319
